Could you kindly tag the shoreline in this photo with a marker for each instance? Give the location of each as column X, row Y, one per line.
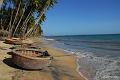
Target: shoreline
column 70, row 53
column 76, row 61
column 63, row 66
column 78, row 69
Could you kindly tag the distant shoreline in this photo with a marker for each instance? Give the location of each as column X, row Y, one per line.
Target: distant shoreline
column 82, row 35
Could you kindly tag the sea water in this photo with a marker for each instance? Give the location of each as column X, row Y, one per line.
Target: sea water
column 98, row 56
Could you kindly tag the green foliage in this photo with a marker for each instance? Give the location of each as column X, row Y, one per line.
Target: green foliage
column 18, row 16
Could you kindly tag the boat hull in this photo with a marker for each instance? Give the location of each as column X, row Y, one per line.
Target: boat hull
column 13, row 41
column 29, row 62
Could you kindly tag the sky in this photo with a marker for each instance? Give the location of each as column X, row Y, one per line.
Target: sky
column 1, row 3
column 81, row 17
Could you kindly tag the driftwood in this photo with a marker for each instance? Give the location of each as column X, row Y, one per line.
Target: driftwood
column 30, row 59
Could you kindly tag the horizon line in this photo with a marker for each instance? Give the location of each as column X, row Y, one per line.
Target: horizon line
column 84, row 34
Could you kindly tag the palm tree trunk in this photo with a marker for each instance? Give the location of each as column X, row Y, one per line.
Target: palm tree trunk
column 15, row 18
column 43, row 11
column 9, row 25
column 19, row 22
column 35, row 25
column 27, row 18
column 2, row 20
column 33, row 31
column 25, row 27
column 30, row 33
column 26, row 21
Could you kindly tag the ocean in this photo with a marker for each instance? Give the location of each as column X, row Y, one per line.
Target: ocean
column 98, row 56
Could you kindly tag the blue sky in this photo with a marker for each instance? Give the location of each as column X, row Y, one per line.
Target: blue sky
column 78, row 17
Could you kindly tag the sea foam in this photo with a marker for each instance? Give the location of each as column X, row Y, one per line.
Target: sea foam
column 98, row 68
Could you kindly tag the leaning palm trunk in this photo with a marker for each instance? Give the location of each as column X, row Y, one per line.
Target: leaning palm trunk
column 1, row 1
column 15, row 18
column 19, row 22
column 30, row 30
column 34, row 32
column 9, row 26
column 35, row 25
column 24, row 26
column 27, row 18
column 2, row 20
column 47, row 4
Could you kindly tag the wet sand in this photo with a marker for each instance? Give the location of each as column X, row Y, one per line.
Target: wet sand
column 63, row 66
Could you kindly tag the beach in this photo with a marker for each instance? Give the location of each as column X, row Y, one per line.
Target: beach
column 98, row 56
column 59, row 40
column 63, row 66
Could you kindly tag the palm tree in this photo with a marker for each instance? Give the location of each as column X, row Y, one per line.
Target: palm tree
column 18, row 7
column 46, row 4
column 20, row 18
column 23, row 11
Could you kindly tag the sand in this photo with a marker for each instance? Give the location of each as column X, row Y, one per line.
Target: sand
column 63, row 66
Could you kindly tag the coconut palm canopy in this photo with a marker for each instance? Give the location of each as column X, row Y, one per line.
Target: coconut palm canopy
column 23, row 18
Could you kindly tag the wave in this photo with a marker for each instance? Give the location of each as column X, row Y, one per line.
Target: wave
column 49, row 39
column 97, row 68
column 106, row 48
column 96, row 59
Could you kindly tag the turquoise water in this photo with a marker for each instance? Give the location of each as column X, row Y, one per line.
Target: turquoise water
column 100, row 52
column 100, row 45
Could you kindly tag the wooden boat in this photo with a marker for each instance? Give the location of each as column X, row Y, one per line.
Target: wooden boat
column 31, row 59
column 13, row 41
